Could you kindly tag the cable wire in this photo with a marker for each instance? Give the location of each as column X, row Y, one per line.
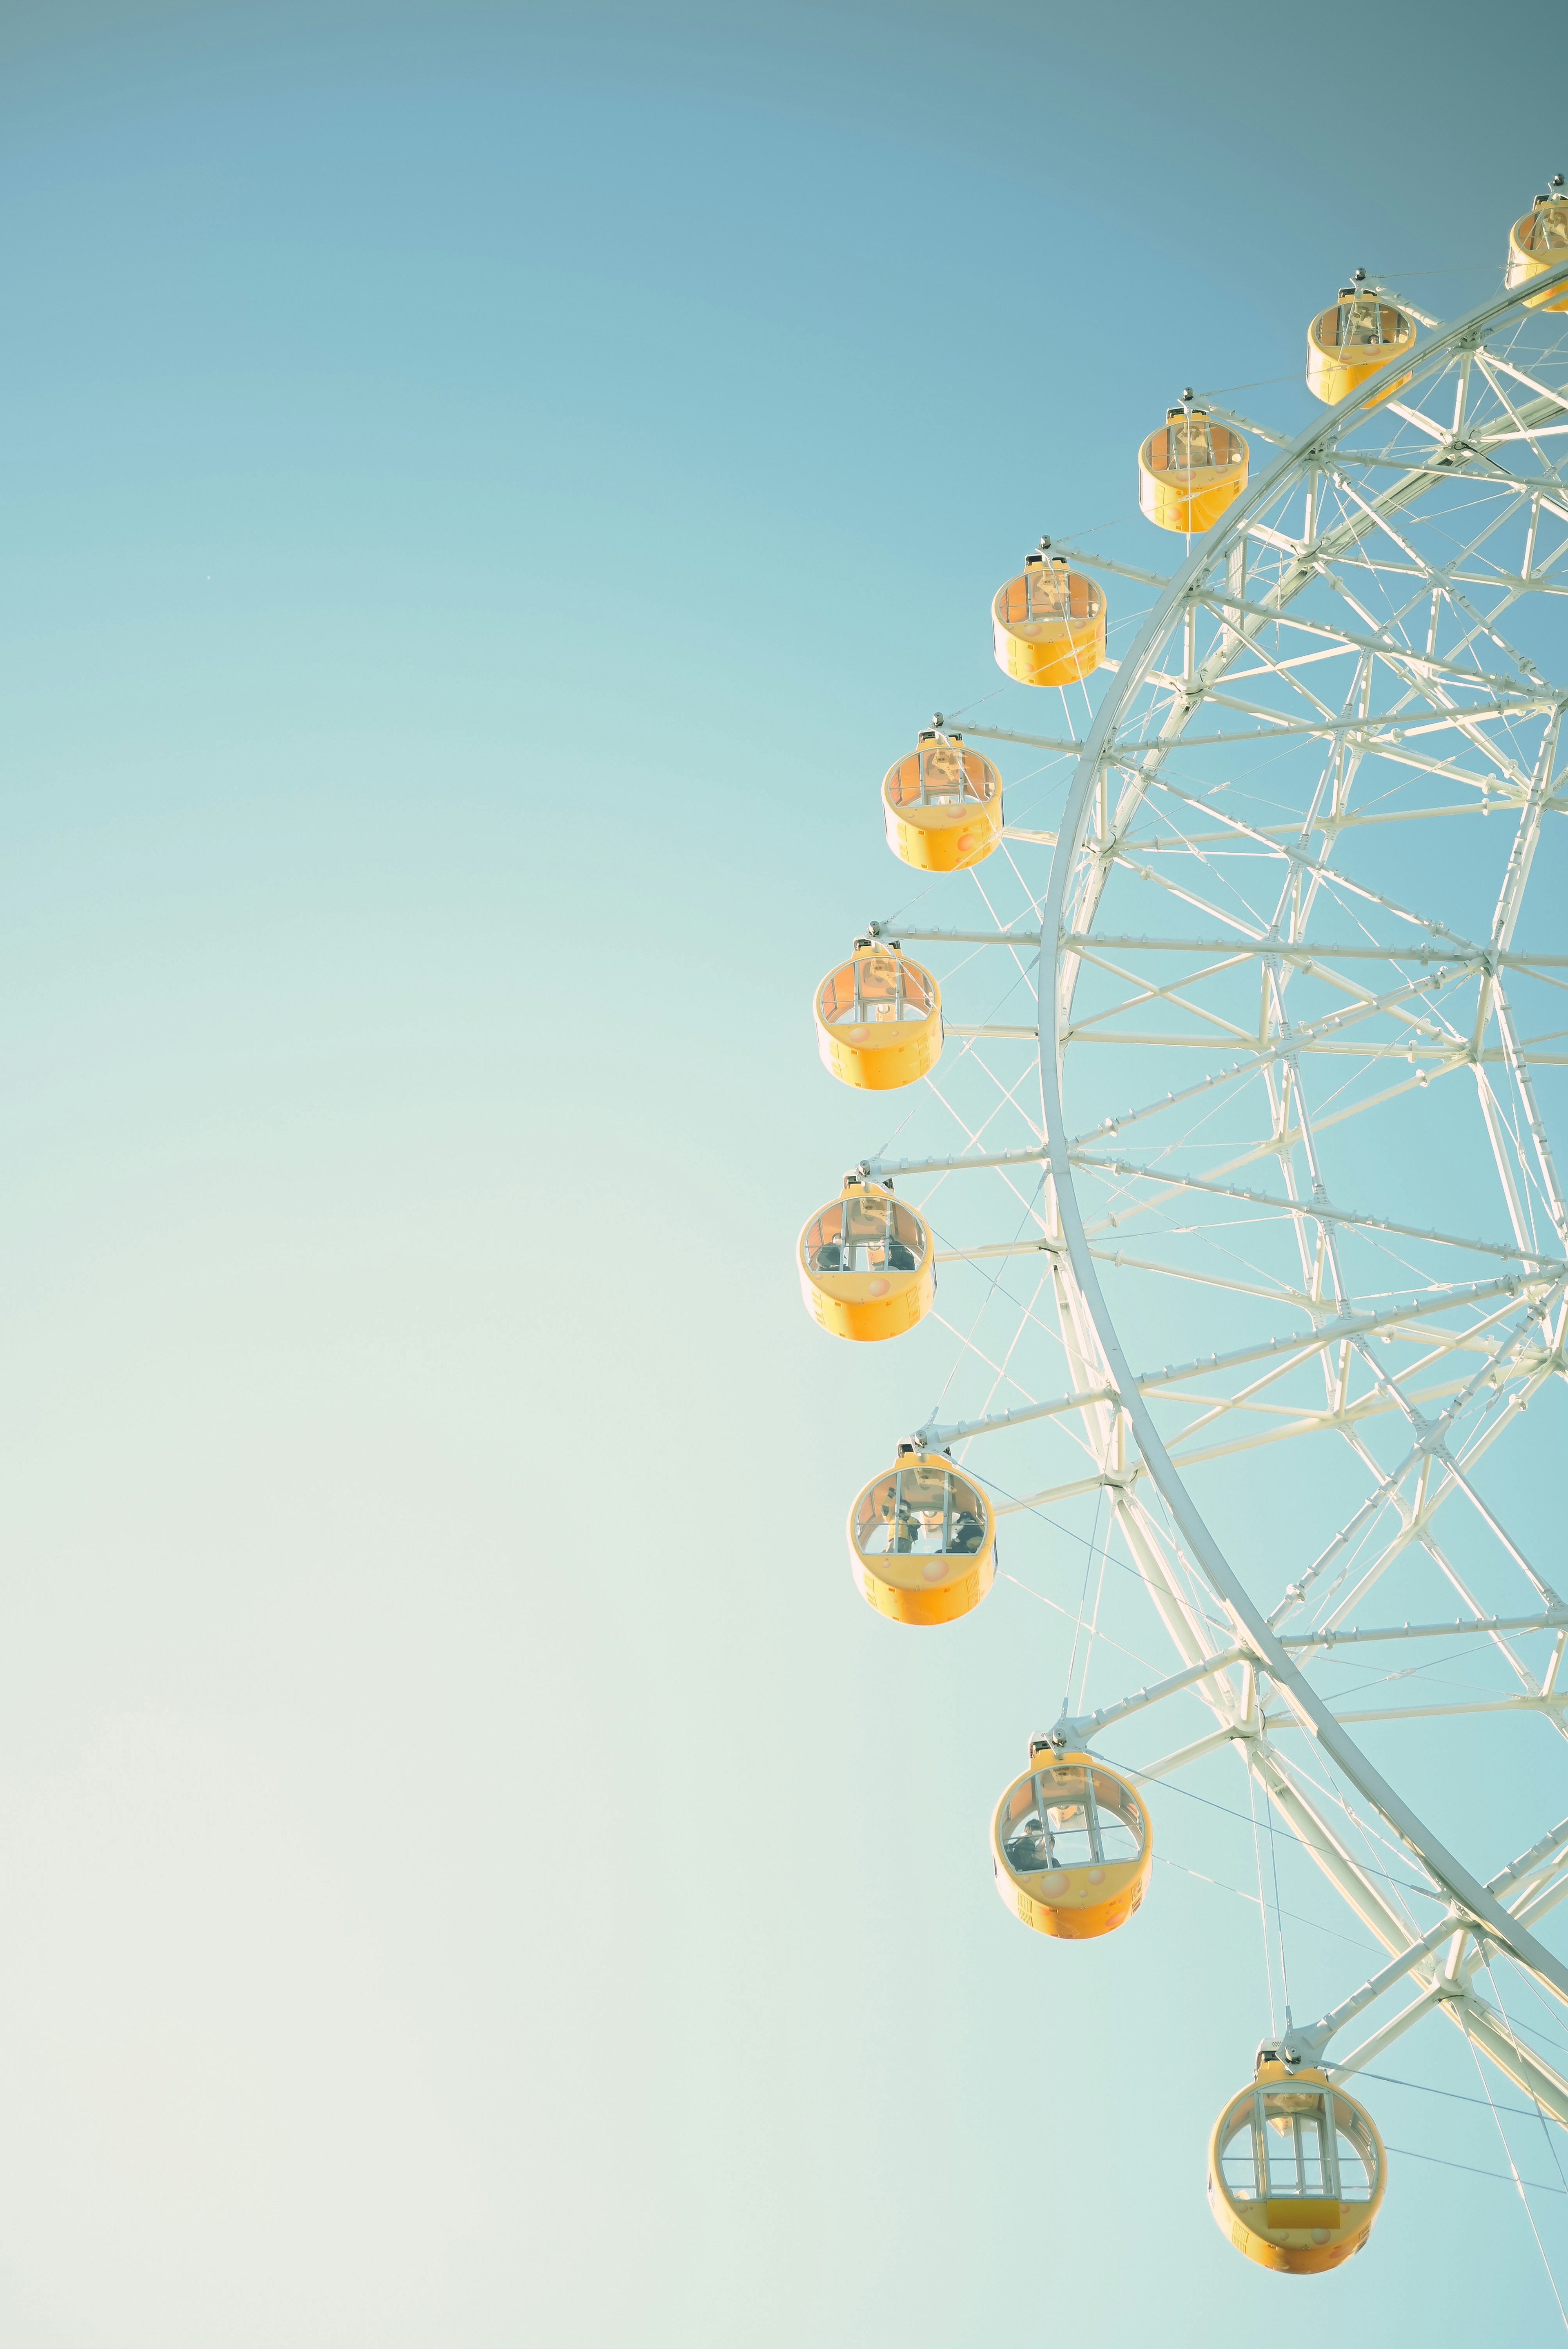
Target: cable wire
column 1519, row 2182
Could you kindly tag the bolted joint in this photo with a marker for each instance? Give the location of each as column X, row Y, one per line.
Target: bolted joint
column 1301, row 2045
column 1296, row 2046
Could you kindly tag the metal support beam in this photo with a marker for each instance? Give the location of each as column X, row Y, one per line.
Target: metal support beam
column 1246, row 620
column 878, row 1170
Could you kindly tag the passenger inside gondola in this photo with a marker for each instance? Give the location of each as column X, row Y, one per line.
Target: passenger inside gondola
column 875, row 988
column 940, row 773
column 925, row 1509
column 1070, row 1817
column 1545, row 231
column 872, row 1232
column 1191, row 444
column 1365, row 322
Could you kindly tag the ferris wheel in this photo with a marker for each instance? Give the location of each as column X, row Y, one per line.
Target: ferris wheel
column 1223, row 1152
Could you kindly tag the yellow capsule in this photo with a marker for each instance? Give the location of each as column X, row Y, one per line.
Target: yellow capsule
column 923, row 1540
column 1297, row 2171
column 1349, row 343
column 1191, row 471
column 867, row 1265
column 1048, row 623
column 1071, row 1847
column 1539, row 241
column 942, row 806
column 879, row 1019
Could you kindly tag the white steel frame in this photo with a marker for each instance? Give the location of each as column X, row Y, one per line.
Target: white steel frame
column 1418, row 679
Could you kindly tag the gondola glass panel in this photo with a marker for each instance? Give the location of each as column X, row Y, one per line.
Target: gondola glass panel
column 1349, row 342
column 1191, row 471
column 1540, row 242
column 1297, row 2171
column 1072, row 1848
column 879, row 1020
column 942, row 806
column 922, row 1541
column 867, row 1266
column 1048, row 623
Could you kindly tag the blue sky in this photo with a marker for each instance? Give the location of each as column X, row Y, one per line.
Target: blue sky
column 486, row 493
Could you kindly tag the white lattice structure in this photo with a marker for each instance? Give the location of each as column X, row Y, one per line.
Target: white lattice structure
column 1263, row 1257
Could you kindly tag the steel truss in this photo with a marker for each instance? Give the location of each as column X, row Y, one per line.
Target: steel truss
column 1285, row 929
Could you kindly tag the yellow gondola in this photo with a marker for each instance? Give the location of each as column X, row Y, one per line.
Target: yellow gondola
column 1048, row 622
column 879, row 1019
column 1297, row 2171
column 1349, row 343
column 1191, row 471
column 1540, row 241
column 923, row 1540
column 1071, row 1845
column 867, row 1265
column 942, row 806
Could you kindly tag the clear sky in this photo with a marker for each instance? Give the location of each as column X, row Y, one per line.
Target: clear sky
column 484, row 493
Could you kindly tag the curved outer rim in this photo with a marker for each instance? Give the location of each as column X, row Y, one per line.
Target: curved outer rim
column 1450, row 1873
